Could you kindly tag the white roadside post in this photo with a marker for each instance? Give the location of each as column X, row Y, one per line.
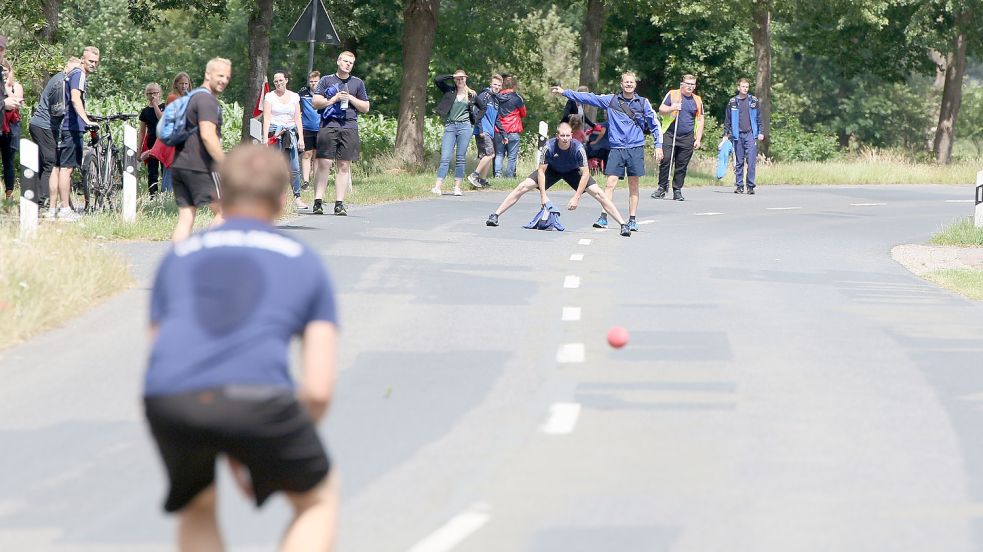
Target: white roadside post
column 129, row 173
column 541, row 137
column 29, row 188
column 256, row 130
column 979, row 200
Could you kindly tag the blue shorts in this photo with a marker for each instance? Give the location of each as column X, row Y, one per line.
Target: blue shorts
column 626, row 160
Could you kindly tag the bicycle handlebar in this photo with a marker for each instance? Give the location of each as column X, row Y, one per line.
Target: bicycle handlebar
column 114, row 117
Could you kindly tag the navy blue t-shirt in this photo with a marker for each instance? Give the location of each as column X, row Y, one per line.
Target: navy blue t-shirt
column 687, row 116
column 227, row 302
column 75, row 81
column 354, row 86
column 564, row 160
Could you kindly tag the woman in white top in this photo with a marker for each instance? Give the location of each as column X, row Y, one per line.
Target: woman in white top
column 281, row 124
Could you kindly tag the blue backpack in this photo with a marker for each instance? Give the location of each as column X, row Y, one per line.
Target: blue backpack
column 173, row 129
column 334, row 110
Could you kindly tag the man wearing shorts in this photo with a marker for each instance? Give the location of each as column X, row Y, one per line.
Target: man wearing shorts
column 338, row 138
column 630, row 118
column 192, row 173
column 72, row 127
column 218, row 379
column 484, row 132
column 563, row 159
column 311, row 120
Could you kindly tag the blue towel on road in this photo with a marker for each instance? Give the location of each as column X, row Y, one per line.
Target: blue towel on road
column 548, row 218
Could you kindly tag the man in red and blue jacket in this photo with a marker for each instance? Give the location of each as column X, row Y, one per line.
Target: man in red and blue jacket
column 508, row 128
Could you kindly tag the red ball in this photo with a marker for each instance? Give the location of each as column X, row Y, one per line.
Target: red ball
column 617, row 337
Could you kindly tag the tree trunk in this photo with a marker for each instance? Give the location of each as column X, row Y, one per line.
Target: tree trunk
column 50, row 9
column 952, row 93
column 419, row 29
column 761, row 35
column 590, row 49
column 260, row 23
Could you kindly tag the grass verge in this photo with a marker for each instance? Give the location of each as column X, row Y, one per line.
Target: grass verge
column 962, row 232
column 51, row 278
column 966, row 281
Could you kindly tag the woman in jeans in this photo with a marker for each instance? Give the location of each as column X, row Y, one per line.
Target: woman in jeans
column 456, row 109
column 282, row 123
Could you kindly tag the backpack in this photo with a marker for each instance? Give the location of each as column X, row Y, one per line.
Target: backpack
column 173, row 129
column 619, row 105
column 57, row 105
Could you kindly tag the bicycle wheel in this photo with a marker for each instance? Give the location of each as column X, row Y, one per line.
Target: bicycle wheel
column 113, row 185
column 80, row 191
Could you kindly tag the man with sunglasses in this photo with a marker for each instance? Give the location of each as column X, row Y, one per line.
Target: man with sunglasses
column 682, row 135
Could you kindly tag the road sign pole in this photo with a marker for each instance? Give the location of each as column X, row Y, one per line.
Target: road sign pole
column 979, row 200
column 129, row 174
column 312, row 37
column 29, row 188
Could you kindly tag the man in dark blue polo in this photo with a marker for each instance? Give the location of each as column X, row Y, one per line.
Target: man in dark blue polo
column 563, row 158
column 742, row 126
column 630, row 118
column 683, row 135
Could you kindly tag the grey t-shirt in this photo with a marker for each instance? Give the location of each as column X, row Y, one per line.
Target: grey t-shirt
column 41, row 118
column 192, row 155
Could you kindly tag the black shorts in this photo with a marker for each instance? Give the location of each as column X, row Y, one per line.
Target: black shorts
column 266, row 430
column 70, row 149
column 552, row 177
column 486, row 147
column 310, row 140
column 338, row 144
column 194, row 188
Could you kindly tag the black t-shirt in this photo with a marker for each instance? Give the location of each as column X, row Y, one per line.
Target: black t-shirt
column 192, row 155
column 149, row 117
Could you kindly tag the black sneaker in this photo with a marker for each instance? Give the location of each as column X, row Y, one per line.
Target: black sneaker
column 659, row 194
column 492, row 220
column 318, row 207
column 625, row 231
column 340, row 210
column 739, row 190
column 678, row 196
column 750, row 191
column 305, row 185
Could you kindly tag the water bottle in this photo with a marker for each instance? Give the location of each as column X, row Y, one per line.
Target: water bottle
column 344, row 102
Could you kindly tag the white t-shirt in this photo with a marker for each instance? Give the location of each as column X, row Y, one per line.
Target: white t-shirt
column 283, row 113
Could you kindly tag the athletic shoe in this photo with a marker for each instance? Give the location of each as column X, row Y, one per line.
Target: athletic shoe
column 626, row 230
column 633, row 226
column 678, row 196
column 318, row 207
column 305, row 185
column 436, row 191
column 750, row 191
column 458, row 192
column 602, row 222
column 739, row 190
column 492, row 220
column 68, row 215
column 659, row 193
column 49, row 213
column 474, row 181
column 299, row 203
column 340, row 210
column 484, row 182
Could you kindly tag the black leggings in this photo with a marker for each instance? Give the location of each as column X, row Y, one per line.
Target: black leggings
column 8, row 147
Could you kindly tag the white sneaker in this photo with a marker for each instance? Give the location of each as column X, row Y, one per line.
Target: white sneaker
column 458, row 192
column 49, row 214
column 299, row 203
column 436, row 191
column 68, row 215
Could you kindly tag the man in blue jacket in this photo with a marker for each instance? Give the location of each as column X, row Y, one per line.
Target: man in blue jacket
column 484, row 132
column 630, row 118
column 742, row 125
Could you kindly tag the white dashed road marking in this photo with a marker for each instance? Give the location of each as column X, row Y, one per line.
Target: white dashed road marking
column 570, row 314
column 866, row 204
column 562, row 420
column 710, row 214
column 577, row 257
column 584, row 242
column 641, row 222
column 959, row 201
column 571, row 282
column 454, row 531
column 570, row 353
column 781, row 208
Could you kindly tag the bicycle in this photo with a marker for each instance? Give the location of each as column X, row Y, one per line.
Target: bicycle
column 101, row 174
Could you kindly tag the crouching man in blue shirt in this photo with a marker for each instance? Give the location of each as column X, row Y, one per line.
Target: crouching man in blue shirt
column 218, row 381
column 563, row 158
column 630, row 118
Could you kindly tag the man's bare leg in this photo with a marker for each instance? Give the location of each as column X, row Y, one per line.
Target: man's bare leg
column 315, row 518
column 525, row 186
column 216, row 207
column 632, row 195
column 343, row 177
column 306, row 164
column 484, row 164
column 185, row 222
column 197, row 529
column 321, row 176
column 606, row 204
column 64, row 185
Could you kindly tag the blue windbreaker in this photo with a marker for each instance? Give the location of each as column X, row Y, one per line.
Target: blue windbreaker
column 623, row 132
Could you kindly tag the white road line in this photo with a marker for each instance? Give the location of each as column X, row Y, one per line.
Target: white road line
column 959, row 200
column 866, row 204
column 781, row 208
column 645, row 222
column 570, row 314
column 562, row 420
column 584, row 242
column 571, row 282
column 596, row 230
column 570, row 353
column 709, row 214
column 577, row 257
column 454, row 531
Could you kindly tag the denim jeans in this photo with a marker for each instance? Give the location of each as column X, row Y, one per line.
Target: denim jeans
column 455, row 135
column 513, row 152
column 165, row 182
column 292, row 157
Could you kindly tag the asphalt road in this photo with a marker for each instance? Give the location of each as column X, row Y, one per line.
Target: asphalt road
column 787, row 386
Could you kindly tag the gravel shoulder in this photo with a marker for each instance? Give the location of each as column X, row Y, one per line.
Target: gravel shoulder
column 922, row 259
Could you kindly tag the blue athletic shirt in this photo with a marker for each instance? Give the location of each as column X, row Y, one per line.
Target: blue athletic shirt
column 564, row 161
column 227, row 302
